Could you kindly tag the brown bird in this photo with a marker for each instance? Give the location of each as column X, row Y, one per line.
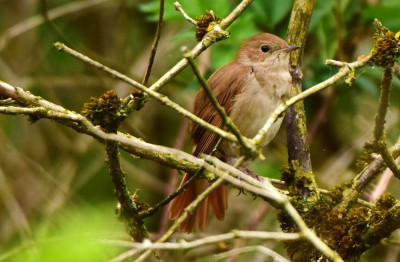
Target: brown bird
column 249, row 89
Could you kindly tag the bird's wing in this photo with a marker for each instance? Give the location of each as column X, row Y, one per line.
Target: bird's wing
column 226, row 83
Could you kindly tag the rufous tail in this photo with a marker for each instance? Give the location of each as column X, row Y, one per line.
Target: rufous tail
column 217, row 199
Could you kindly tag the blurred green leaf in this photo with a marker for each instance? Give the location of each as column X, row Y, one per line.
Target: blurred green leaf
column 322, row 8
column 388, row 14
column 73, row 235
column 269, row 13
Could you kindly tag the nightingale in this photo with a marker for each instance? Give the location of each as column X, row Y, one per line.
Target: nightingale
column 249, row 89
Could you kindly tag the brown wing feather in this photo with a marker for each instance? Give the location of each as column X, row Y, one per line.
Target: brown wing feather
column 226, row 83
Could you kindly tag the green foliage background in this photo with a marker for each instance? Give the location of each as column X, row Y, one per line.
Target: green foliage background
column 56, row 199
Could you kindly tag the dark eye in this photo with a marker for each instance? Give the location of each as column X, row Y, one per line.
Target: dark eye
column 264, row 48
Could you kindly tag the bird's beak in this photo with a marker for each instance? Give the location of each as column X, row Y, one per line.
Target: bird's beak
column 290, row 48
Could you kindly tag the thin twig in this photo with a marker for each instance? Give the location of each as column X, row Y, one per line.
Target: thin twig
column 181, row 245
column 173, row 177
column 344, row 70
column 269, row 252
column 192, row 206
column 389, row 159
column 244, row 142
column 265, row 189
column 159, row 97
column 189, row 209
column 383, row 105
column 179, row 159
column 362, row 180
column 215, row 34
column 379, row 128
column 165, row 201
column 52, row 25
column 155, row 44
column 178, row 7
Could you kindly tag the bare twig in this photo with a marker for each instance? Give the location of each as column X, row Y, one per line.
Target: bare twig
column 381, row 186
column 346, row 69
column 173, row 177
column 362, row 180
column 159, row 97
column 155, row 44
column 7, row 91
column 383, row 105
column 154, row 208
column 389, row 159
column 379, row 128
column 244, row 142
column 181, row 160
column 266, row 251
column 262, row 235
column 183, row 217
column 215, row 34
column 265, row 189
column 178, row 7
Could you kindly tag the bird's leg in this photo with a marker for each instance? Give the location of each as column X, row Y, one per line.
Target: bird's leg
column 244, row 169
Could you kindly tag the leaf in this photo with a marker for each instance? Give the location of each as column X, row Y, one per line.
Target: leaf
column 388, row 14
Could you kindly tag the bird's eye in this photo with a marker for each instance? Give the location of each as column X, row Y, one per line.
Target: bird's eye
column 264, row 48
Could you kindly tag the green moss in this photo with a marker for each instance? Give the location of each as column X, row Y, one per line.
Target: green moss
column 387, row 46
column 384, row 202
column 205, row 23
column 348, row 232
column 134, row 225
column 105, row 111
column 300, row 182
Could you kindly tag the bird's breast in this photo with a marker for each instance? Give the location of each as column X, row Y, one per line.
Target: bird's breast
column 261, row 95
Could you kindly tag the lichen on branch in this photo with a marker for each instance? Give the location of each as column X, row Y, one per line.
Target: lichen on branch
column 387, row 46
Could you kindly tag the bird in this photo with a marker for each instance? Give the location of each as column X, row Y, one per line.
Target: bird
column 249, row 89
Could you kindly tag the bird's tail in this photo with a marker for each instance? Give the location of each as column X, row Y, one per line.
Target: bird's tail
column 217, row 199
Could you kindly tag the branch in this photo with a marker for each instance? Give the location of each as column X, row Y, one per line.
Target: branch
column 383, row 105
column 296, row 130
column 347, row 68
column 243, row 141
column 379, row 128
column 266, row 190
column 209, row 39
column 178, row 7
column 181, row 160
column 150, row 211
column 361, row 181
column 159, row 97
column 155, row 44
column 129, row 206
column 269, row 252
column 389, row 160
column 187, row 211
column 7, row 91
column 179, row 245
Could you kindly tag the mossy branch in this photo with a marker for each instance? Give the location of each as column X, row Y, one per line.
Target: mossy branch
column 128, row 206
column 173, row 158
column 159, row 97
column 297, row 144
